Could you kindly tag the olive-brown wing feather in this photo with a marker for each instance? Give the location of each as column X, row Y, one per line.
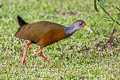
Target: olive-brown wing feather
column 33, row 31
column 51, row 37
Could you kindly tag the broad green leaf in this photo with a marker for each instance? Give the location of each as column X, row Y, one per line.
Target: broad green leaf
column 101, row 3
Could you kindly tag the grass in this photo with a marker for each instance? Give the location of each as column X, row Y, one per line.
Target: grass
column 84, row 55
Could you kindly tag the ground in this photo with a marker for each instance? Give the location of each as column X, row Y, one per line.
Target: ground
column 85, row 55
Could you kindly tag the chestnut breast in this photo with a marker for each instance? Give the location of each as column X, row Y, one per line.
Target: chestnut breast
column 42, row 33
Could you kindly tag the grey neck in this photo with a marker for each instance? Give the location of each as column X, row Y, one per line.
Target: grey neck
column 69, row 30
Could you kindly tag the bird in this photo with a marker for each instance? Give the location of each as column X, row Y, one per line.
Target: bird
column 45, row 33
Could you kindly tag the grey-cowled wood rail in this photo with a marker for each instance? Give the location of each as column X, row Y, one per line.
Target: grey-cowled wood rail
column 44, row 33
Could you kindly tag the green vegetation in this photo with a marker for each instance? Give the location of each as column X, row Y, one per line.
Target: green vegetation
column 84, row 55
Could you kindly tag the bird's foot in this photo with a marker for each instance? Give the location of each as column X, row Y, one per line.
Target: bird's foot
column 40, row 53
column 23, row 61
column 25, row 52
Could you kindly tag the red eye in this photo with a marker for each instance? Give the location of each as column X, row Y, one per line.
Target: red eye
column 81, row 23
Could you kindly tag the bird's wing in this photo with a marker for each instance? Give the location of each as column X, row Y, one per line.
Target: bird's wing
column 33, row 31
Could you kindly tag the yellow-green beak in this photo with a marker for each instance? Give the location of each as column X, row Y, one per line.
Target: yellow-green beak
column 85, row 27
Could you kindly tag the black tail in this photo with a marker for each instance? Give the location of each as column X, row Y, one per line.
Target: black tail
column 21, row 22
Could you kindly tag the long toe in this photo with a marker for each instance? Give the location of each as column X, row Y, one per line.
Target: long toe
column 44, row 57
column 48, row 62
column 23, row 61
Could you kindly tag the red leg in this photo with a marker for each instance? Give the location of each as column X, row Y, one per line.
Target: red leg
column 40, row 53
column 25, row 52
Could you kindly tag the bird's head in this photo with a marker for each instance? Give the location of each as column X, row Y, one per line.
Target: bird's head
column 79, row 24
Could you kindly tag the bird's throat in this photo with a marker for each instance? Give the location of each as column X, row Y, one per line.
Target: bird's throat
column 69, row 30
